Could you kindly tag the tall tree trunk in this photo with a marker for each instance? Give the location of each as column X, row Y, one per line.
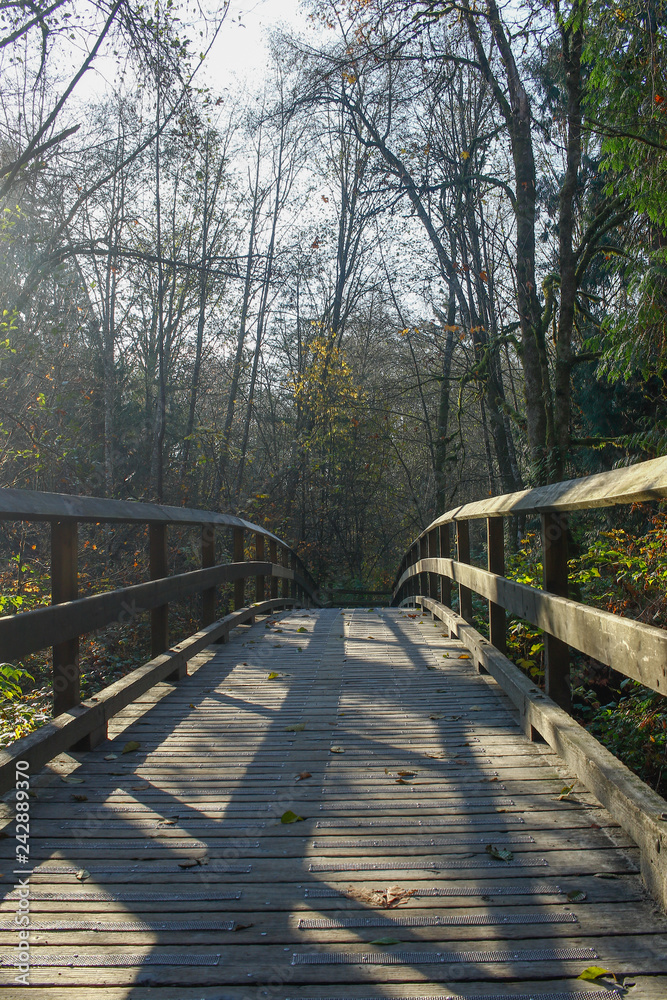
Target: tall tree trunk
column 442, row 464
column 157, row 458
column 201, row 320
column 515, row 109
column 257, row 199
column 572, row 38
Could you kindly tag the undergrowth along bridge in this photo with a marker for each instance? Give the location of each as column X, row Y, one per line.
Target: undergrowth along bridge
column 332, row 804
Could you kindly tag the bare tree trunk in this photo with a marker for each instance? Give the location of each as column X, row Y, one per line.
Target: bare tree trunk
column 257, row 200
column 572, row 38
column 157, row 458
column 442, row 462
column 201, row 318
column 515, row 109
column 208, row 241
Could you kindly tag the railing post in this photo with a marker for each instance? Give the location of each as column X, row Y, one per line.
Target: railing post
column 259, row 556
column 207, row 560
column 555, row 580
column 239, row 555
column 158, row 568
column 495, row 537
column 463, row 555
column 423, row 577
column 292, row 559
column 284, row 558
column 422, row 552
column 273, row 556
column 433, row 554
column 157, row 541
column 445, row 550
column 65, row 587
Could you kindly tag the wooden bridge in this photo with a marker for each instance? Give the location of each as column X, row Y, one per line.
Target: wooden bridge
column 361, row 803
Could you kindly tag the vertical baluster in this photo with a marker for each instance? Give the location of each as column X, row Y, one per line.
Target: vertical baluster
column 158, row 568
column 259, row 556
column 433, row 554
column 414, row 556
column 65, row 587
column 292, row 559
column 423, row 577
column 238, row 557
column 157, row 540
column 273, row 556
column 463, row 555
column 555, row 580
column 207, row 560
column 284, row 558
column 496, row 564
column 445, row 553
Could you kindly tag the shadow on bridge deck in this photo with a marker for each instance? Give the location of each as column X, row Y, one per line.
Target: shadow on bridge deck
column 434, row 856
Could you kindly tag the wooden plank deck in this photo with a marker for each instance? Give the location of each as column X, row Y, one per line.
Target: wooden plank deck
column 197, row 891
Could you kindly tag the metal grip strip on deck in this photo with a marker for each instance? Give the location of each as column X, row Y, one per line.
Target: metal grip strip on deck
column 519, row 838
column 131, row 869
column 125, row 925
column 419, row 788
column 440, row 804
column 532, row 889
column 442, row 957
column 336, row 823
column 120, row 961
column 148, row 843
column 126, row 896
column 455, row 920
column 397, row 866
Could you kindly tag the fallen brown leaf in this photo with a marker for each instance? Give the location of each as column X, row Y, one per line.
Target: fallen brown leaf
column 387, row 898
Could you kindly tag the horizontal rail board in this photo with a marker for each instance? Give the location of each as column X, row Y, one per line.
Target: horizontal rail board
column 33, row 505
column 30, row 631
column 636, row 483
column 636, row 650
column 634, row 806
column 61, row 733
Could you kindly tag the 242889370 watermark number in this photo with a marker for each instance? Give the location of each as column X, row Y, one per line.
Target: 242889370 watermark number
column 23, row 870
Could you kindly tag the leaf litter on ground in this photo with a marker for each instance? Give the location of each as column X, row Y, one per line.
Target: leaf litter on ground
column 388, row 899
column 499, row 853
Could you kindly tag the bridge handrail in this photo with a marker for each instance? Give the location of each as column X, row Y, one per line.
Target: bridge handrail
column 68, row 617
column 634, row 649
column 632, row 484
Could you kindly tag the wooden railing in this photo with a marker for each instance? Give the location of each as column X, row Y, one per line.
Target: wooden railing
column 428, row 573
column 69, row 616
column 639, row 651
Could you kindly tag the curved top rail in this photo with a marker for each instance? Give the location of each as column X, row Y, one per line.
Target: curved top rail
column 641, row 482
column 32, row 505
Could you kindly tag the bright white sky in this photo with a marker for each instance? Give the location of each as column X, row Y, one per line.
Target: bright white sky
column 241, row 50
